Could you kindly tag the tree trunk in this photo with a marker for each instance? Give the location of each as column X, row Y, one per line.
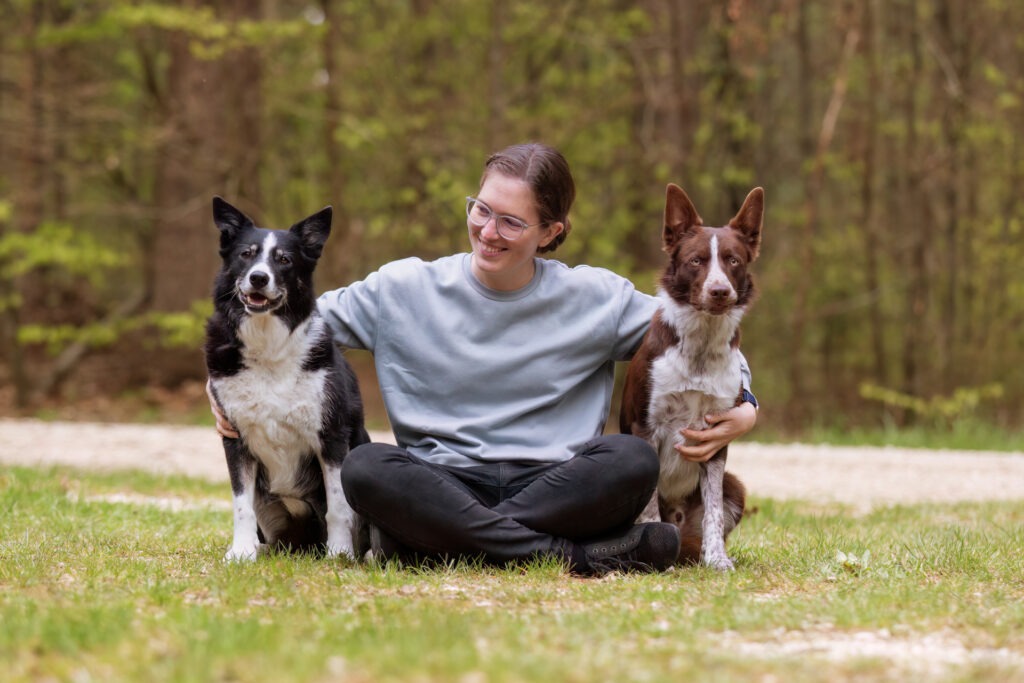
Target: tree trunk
column 868, row 225
column 808, row 272
column 953, row 55
column 212, row 147
column 915, row 216
column 336, row 264
column 27, row 196
column 496, row 96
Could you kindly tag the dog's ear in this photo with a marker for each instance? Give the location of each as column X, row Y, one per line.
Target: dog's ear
column 680, row 217
column 229, row 220
column 313, row 232
column 749, row 221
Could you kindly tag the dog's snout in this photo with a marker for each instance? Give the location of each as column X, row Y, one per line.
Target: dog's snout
column 719, row 292
column 258, row 279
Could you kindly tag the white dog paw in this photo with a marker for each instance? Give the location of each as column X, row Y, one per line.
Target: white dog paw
column 341, row 550
column 721, row 563
column 242, row 553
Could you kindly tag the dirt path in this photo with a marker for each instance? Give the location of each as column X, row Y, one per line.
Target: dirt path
column 863, row 477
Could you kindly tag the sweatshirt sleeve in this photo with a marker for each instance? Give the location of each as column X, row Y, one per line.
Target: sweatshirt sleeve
column 745, row 376
column 352, row 312
column 635, row 318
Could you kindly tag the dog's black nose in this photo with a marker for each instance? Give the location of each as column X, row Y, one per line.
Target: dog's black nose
column 258, row 279
column 719, row 292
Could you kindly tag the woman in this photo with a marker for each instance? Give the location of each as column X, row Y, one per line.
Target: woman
column 496, row 368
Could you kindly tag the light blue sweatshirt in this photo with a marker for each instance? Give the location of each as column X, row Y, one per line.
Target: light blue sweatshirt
column 472, row 375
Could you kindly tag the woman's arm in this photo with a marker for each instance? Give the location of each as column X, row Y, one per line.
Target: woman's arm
column 224, row 428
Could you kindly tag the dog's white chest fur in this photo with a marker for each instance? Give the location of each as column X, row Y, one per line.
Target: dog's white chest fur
column 276, row 406
column 689, row 381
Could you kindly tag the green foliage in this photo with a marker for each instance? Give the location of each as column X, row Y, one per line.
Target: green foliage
column 941, row 410
column 388, row 110
column 213, row 35
column 57, row 337
column 56, row 245
column 181, row 330
column 58, row 248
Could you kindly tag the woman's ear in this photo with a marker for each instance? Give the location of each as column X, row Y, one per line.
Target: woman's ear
column 553, row 231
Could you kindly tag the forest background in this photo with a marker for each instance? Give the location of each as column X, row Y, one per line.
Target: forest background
column 887, row 135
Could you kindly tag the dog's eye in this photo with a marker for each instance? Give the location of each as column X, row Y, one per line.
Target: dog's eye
column 696, row 261
column 733, row 261
column 249, row 252
column 283, row 259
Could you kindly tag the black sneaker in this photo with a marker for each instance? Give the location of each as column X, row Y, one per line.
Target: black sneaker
column 651, row 547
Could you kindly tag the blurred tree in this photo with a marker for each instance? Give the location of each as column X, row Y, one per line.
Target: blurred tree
column 887, row 135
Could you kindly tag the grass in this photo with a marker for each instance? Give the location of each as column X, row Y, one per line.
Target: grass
column 92, row 588
column 967, row 434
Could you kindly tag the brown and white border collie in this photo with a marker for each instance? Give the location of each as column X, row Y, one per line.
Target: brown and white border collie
column 688, row 366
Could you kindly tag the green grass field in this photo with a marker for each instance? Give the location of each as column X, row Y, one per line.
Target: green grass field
column 118, row 577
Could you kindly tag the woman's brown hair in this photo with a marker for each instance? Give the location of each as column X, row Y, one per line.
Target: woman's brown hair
column 547, row 173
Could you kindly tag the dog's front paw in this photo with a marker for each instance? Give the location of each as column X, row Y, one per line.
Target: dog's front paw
column 244, row 552
column 341, row 550
column 722, row 563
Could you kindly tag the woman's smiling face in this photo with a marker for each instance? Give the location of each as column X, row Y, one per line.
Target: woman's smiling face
column 500, row 263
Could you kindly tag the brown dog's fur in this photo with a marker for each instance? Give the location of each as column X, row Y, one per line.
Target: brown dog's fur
column 688, row 367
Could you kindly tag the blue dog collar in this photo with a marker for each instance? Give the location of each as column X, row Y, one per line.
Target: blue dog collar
column 747, row 397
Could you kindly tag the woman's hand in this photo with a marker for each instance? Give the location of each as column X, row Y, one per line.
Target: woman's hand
column 722, row 429
column 224, row 428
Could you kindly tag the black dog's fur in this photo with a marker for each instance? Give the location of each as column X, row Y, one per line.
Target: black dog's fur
column 279, row 379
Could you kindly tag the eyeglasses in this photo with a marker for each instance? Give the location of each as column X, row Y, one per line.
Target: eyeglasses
column 509, row 227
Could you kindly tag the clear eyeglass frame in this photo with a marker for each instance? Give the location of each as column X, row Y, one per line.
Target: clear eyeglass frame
column 509, row 227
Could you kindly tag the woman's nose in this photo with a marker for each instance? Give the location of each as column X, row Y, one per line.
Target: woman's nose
column 491, row 223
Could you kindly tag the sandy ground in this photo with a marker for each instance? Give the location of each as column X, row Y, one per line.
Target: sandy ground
column 862, row 477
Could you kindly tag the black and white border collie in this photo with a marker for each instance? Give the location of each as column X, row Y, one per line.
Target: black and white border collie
column 278, row 378
column 688, row 366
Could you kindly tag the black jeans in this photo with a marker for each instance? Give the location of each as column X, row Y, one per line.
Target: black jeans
column 502, row 511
